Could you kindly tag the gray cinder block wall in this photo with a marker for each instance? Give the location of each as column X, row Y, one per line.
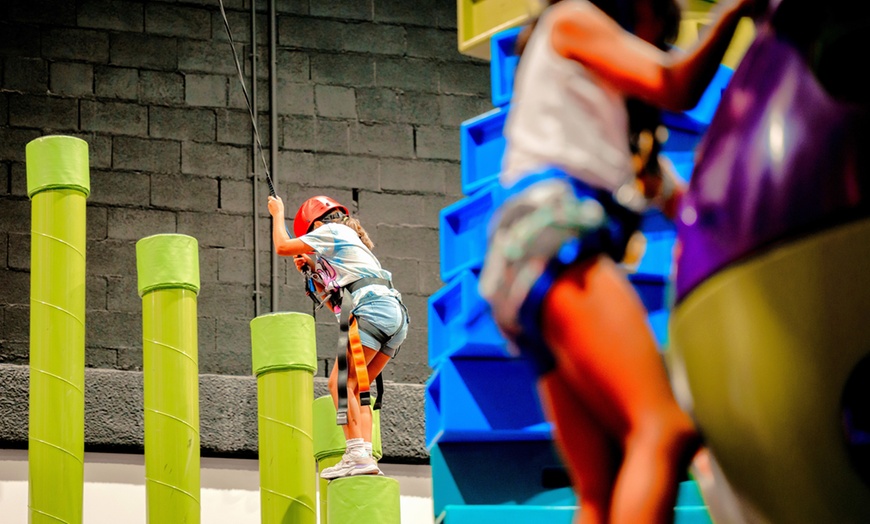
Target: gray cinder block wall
column 370, row 97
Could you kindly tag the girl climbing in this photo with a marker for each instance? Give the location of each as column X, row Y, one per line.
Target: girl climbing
column 333, row 245
column 572, row 200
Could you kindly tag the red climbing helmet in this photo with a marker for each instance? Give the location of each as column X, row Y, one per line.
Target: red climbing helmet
column 311, row 210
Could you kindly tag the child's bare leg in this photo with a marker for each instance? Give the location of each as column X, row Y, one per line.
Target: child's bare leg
column 596, row 326
column 348, row 428
column 375, row 362
column 584, row 447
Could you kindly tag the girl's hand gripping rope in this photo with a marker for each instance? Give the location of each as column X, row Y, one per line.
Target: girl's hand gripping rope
column 276, row 206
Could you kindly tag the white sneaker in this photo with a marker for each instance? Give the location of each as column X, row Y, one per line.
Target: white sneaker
column 352, row 464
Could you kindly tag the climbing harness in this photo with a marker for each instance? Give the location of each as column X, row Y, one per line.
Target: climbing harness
column 340, row 301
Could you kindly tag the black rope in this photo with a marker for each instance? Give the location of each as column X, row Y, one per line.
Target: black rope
column 247, row 98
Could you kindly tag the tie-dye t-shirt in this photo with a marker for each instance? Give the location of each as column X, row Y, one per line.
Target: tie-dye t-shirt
column 342, row 257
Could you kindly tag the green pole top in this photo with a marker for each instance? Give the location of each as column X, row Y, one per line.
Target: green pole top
column 57, row 162
column 167, row 262
column 282, row 341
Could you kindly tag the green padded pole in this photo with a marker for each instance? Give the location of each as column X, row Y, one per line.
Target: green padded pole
column 58, row 184
column 329, row 442
column 168, row 269
column 284, row 360
column 364, row 499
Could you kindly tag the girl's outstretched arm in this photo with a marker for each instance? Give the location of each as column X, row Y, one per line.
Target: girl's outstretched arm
column 284, row 245
column 670, row 80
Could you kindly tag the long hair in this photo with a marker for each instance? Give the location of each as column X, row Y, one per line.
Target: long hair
column 356, row 226
column 337, row 217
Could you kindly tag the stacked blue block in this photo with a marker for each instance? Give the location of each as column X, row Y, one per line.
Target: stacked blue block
column 460, row 322
column 490, row 447
column 481, row 145
column 503, row 65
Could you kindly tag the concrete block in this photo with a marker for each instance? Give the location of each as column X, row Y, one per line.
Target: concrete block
column 122, row 294
column 182, row 123
column 4, row 109
column 208, row 264
column 184, row 22
column 15, row 215
column 411, row 210
column 234, row 127
column 113, row 329
column 397, row 241
column 343, row 9
column 437, row 43
column 72, row 79
column 405, row 273
column 161, row 88
column 145, row 51
column 345, row 172
column 409, row 13
column 159, row 156
column 29, row 75
column 215, row 160
column 4, row 250
column 343, row 69
column 227, row 300
column 406, row 73
column 184, row 193
column 437, row 142
column 75, row 44
column 395, row 140
column 101, row 358
column 19, row 251
column 17, row 325
column 299, row 133
column 45, row 112
column 116, row 15
column 119, row 188
column 206, row 56
column 120, row 118
column 333, row 35
column 96, row 294
column 335, row 101
column 43, row 12
column 293, row 66
column 331, row 135
column 19, row 40
column 14, row 141
column 456, row 109
column 418, row 176
column 98, row 223
column 430, row 276
column 236, row 265
column 205, row 90
column 133, row 224
column 216, row 229
column 293, row 98
column 465, row 78
column 232, row 348
column 235, row 196
column 240, row 23
column 111, row 258
column 419, row 108
column 378, row 104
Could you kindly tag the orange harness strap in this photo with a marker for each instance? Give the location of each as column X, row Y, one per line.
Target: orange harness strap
column 359, row 362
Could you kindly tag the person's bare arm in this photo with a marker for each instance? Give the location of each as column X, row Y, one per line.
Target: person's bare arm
column 284, row 245
column 670, row 80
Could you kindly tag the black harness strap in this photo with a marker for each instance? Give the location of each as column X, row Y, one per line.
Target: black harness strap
column 343, row 328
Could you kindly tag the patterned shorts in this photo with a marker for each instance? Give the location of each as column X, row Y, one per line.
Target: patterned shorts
column 547, row 223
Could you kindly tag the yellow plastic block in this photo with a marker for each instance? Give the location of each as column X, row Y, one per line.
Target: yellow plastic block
column 477, row 20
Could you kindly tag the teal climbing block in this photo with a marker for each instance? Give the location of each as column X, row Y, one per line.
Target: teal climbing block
column 475, row 399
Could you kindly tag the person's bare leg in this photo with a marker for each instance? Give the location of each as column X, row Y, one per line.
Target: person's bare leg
column 584, row 447
column 596, row 326
column 375, row 363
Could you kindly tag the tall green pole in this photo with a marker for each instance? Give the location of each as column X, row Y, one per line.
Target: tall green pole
column 284, row 361
column 168, row 268
column 58, row 184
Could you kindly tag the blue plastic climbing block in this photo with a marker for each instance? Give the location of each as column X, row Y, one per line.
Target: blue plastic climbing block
column 658, row 256
column 471, row 400
column 482, row 143
column 462, row 234
column 503, row 65
column 653, row 290
column 461, row 324
column 699, row 117
column 506, row 514
column 519, row 473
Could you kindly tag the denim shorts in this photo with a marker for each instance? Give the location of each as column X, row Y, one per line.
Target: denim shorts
column 547, row 223
column 388, row 314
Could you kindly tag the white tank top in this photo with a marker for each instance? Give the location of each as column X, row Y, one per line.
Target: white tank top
column 563, row 116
